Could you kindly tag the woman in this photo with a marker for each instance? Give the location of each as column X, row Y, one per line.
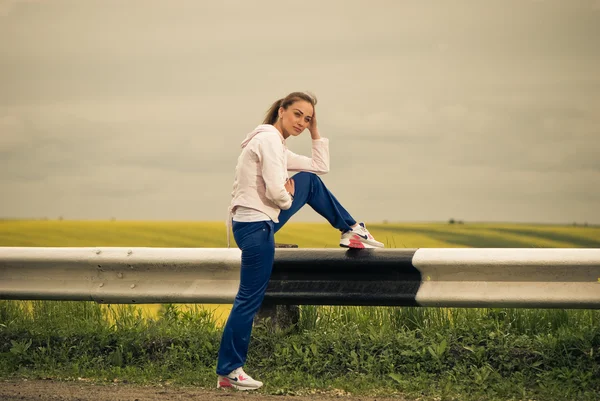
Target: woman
column 264, row 199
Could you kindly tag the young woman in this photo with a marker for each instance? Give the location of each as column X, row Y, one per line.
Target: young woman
column 264, row 199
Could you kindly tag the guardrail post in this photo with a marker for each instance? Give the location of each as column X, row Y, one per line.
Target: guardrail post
column 281, row 316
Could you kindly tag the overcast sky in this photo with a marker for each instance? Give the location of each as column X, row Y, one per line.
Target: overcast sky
column 476, row 110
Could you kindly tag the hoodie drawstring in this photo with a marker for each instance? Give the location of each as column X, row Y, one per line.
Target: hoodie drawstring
column 228, row 224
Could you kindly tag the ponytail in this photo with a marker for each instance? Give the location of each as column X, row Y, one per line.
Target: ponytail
column 273, row 113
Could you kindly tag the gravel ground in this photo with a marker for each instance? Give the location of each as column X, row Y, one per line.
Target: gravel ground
column 46, row 390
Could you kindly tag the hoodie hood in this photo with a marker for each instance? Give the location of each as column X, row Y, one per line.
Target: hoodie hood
column 258, row 130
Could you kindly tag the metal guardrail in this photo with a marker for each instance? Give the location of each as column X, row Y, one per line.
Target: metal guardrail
column 471, row 277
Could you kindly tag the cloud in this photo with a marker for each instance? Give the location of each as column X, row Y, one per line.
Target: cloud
column 75, row 141
column 7, row 6
column 434, row 100
column 13, row 134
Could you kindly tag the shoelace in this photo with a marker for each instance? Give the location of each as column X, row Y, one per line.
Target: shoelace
column 361, row 229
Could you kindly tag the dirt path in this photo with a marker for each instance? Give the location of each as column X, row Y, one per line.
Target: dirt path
column 51, row 390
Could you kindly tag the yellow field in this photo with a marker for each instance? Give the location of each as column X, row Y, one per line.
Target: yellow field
column 306, row 235
column 49, row 233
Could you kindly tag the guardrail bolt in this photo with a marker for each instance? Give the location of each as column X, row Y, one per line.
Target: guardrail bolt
column 132, row 286
column 98, row 251
column 101, row 285
column 129, row 252
column 120, row 275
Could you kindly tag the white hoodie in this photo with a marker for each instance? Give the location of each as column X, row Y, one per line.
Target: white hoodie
column 262, row 167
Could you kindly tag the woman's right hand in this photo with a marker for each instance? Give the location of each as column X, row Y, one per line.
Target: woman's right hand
column 289, row 186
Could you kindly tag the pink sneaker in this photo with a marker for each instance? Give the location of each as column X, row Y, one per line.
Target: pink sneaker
column 239, row 380
column 360, row 238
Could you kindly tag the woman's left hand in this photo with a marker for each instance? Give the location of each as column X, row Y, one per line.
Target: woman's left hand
column 312, row 127
column 290, row 186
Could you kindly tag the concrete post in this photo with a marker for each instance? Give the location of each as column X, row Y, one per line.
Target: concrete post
column 282, row 317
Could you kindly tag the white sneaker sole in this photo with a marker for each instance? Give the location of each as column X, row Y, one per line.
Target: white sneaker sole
column 237, row 387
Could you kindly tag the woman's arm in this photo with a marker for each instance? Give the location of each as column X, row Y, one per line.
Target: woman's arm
column 318, row 163
column 272, row 164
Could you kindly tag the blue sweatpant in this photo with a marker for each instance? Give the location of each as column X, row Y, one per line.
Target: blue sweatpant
column 256, row 240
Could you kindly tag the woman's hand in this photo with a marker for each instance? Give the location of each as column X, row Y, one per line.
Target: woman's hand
column 289, row 186
column 312, row 126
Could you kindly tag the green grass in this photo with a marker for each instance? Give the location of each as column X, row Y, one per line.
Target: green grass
column 431, row 353
column 426, row 353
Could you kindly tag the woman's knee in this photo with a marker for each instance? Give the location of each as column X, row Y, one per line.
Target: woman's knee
column 306, row 176
column 303, row 174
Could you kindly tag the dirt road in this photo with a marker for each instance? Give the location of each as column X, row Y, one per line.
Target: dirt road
column 52, row 390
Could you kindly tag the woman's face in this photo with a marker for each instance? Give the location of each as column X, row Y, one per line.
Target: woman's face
column 296, row 118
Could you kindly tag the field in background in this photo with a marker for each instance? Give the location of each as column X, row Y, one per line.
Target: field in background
column 63, row 233
column 306, row 235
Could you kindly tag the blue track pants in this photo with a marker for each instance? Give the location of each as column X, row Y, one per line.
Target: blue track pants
column 256, row 240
